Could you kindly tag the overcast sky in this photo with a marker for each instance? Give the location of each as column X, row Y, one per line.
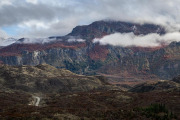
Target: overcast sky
column 43, row 18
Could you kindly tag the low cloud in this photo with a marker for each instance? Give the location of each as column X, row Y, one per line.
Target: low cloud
column 47, row 29
column 6, row 42
column 129, row 39
column 75, row 40
column 35, row 40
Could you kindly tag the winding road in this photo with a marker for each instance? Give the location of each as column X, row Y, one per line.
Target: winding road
column 37, row 100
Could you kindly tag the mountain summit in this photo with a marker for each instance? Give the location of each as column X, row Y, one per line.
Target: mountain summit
column 101, row 28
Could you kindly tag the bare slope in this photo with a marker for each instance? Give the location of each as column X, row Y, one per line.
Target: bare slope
column 45, row 78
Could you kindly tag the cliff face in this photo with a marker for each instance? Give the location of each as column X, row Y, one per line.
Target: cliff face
column 164, row 62
column 87, row 57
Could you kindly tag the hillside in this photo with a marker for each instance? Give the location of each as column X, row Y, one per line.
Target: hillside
column 91, row 105
column 66, row 95
column 156, row 86
column 47, row 79
column 162, row 85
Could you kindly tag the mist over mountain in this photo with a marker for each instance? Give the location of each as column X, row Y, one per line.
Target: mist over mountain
column 127, row 34
column 89, row 60
column 100, row 29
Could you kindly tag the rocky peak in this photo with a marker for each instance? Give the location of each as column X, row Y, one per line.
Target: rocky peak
column 100, row 28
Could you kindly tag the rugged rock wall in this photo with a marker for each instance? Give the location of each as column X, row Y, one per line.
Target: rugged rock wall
column 164, row 62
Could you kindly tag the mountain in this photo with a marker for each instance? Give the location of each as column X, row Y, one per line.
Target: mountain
column 71, row 77
column 78, row 53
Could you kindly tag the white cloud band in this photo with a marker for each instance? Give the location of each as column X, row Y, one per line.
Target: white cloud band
column 129, row 39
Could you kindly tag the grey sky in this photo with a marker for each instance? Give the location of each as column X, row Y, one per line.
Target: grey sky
column 43, row 18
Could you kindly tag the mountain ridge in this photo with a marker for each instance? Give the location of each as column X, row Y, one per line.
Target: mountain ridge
column 82, row 56
column 99, row 29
